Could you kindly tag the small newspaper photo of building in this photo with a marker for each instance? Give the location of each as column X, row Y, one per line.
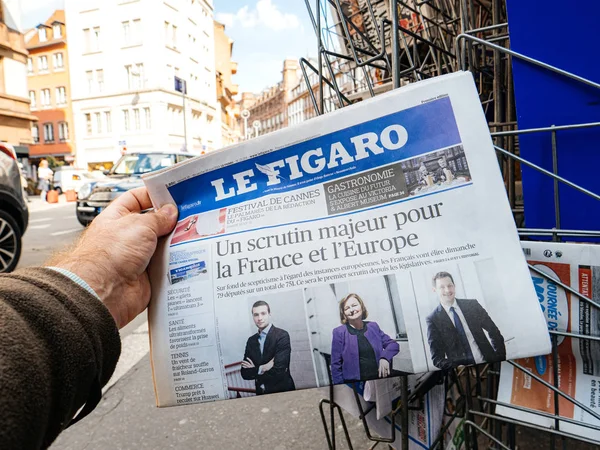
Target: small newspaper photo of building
column 438, row 170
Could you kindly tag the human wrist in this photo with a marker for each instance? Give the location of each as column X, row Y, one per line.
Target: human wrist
column 98, row 277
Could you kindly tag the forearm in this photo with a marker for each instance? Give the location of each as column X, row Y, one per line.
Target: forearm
column 58, row 346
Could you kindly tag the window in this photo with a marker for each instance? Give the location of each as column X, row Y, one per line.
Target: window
column 42, row 34
column 167, row 33
column 48, row 132
column 137, row 31
column 140, row 71
column 98, row 120
column 108, row 121
column 100, row 79
column 126, row 120
column 43, row 63
column 88, row 124
column 63, row 131
column 89, row 76
column 87, row 40
column 45, row 97
column 35, row 133
column 61, row 96
column 126, row 32
column 96, row 39
column 174, row 42
column 32, row 99
column 147, row 119
column 58, row 61
column 135, row 76
column 136, row 118
column 56, row 31
column 29, row 65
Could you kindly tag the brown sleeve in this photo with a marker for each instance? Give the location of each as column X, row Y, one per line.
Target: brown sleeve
column 58, row 346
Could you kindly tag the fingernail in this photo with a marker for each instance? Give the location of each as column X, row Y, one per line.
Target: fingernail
column 169, row 209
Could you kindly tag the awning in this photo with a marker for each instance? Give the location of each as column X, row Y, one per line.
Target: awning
column 21, row 150
column 47, row 155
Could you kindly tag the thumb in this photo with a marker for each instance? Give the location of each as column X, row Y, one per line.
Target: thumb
column 163, row 220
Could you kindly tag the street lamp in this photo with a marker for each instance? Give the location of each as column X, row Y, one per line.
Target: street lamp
column 256, row 125
column 245, row 115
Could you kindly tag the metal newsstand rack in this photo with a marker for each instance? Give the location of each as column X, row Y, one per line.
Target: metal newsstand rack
column 366, row 47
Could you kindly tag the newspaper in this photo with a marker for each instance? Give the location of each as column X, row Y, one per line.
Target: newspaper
column 373, row 241
column 577, row 266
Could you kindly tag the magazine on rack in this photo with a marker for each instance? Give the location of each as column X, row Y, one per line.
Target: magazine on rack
column 576, row 266
column 372, row 241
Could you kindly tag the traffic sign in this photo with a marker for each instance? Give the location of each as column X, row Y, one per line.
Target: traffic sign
column 180, row 85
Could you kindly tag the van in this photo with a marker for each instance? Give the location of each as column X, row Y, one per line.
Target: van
column 71, row 179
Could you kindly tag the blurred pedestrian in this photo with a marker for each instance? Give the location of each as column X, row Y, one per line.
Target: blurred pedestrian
column 45, row 175
column 59, row 338
column 24, row 182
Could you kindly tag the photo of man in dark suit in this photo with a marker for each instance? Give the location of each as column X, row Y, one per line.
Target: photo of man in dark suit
column 267, row 354
column 456, row 329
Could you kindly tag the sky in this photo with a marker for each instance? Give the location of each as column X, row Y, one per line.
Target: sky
column 265, row 32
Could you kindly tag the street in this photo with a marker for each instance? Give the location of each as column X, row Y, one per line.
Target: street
column 127, row 416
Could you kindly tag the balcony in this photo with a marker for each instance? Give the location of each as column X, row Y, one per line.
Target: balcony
column 234, row 68
column 12, row 40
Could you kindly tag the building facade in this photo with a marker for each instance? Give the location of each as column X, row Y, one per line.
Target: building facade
column 225, row 68
column 124, row 58
column 50, row 90
column 269, row 109
column 15, row 116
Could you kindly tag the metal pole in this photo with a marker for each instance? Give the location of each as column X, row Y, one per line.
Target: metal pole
column 185, row 140
column 404, row 395
column 245, row 128
column 320, row 62
column 395, row 49
column 556, row 187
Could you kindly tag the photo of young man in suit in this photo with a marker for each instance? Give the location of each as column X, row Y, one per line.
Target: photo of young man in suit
column 456, row 329
column 267, row 354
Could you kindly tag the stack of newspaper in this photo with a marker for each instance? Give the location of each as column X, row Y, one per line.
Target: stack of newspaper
column 373, row 241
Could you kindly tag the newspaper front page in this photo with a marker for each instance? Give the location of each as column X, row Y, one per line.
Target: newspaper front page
column 577, row 266
column 370, row 242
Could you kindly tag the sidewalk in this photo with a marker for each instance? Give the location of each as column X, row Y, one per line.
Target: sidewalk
column 36, row 204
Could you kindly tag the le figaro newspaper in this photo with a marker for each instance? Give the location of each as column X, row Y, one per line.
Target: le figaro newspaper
column 370, row 242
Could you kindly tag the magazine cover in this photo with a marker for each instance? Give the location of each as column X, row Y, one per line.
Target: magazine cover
column 577, row 266
column 370, row 242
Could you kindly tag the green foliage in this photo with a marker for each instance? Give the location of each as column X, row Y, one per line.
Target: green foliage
column 53, row 163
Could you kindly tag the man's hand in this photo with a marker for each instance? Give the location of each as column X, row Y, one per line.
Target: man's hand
column 266, row 367
column 384, row 368
column 248, row 364
column 113, row 254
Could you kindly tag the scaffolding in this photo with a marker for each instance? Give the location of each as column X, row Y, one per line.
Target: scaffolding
column 367, row 47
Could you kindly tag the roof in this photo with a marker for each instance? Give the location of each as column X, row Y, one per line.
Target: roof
column 57, row 17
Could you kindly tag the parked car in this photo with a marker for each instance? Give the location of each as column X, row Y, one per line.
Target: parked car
column 67, row 178
column 126, row 174
column 14, row 215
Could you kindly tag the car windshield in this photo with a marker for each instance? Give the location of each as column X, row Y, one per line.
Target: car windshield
column 139, row 163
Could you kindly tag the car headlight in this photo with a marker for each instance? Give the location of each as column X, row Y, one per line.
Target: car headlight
column 85, row 191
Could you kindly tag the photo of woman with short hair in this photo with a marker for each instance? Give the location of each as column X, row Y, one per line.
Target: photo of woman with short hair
column 360, row 350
